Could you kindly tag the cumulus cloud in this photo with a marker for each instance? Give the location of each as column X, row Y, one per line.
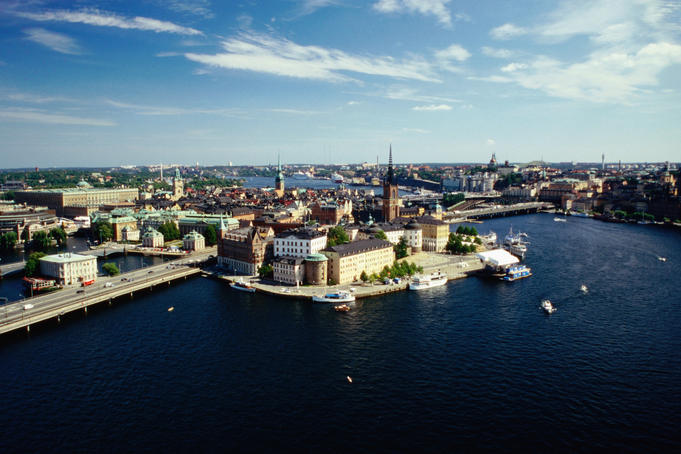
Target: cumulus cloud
column 105, row 19
column 453, row 52
column 511, row 67
column 437, row 8
column 281, row 57
column 507, row 31
column 55, row 41
column 432, row 108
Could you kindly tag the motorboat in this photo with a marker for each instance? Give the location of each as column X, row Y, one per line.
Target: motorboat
column 548, row 307
column 340, row 296
column 171, row 308
column 516, row 272
column 436, row 279
column 557, row 219
column 490, row 238
column 662, row 259
column 242, row 286
column 584, row 288
column 341, row 308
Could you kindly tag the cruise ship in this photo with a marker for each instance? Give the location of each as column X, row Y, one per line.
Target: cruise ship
column 429, row 281
column 302, row 176
column 337, row 178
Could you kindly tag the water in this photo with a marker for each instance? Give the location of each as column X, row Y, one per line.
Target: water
column 475, row 365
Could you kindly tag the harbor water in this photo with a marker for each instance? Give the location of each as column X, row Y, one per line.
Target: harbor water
column 475, row 365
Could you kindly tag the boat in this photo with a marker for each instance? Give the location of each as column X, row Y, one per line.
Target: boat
column 490, row 238
column 242, row 286
column 349, row 379
column 514, row 244
column 337, row 178
column 581, row 214
column 556, row 219
column 301, row 176
column 334, row 297
column 171, row 308
column 662, row 259
column 341, row 308
column 516, row 272
column 436, row 279
column 584, row 288
column 548, row 307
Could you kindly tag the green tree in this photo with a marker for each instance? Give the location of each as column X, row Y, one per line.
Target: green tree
column 170, row 231
column 363, row 277
column 452, row 199
column 478, row 240
column 210, row 235
column 9, row 195
column 25, row 235
column 8, row 240
column 102, row 230
column 59, row 235
column 111, row 269
column 33, row 263
column 41, row 241
column 265, row 271
column 337, row 235
column 401, row 249
column 381, row 235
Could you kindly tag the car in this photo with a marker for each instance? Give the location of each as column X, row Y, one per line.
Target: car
column 124, row 279
column 149, row 272
column 28, row 306
column 80, row 291
column 109, row 284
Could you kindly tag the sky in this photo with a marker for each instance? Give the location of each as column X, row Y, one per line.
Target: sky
column 113, row 82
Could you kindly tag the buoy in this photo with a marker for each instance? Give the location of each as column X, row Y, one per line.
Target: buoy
column 349, row 379
column 171, row 308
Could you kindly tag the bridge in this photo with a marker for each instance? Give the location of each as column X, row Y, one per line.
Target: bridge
column 23, row 314
column 499, row 210
column 11, row 268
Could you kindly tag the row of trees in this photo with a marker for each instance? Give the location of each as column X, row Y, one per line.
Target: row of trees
column 455, row 244
column 398, row 269
column 8, row 240
column 170, row 231
column 465, row 230
column 111, row 269
column 102, row 230
column 453, row 198
column 636, row 215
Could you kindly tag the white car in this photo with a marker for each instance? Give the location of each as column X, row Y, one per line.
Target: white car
column 28, row 306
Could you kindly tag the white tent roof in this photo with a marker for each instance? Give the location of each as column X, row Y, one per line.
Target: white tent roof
column 498, row 257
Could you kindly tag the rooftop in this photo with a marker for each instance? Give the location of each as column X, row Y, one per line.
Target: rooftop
column 358, row 247
column 67, row 258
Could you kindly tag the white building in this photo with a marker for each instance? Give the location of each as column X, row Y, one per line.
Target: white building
column 299, row 242
column 193, row 241
column 129, row 234
column 69, row 269
column 289, row 270
column 152, row 238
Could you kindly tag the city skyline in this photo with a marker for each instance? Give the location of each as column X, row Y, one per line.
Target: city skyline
column 323, row 81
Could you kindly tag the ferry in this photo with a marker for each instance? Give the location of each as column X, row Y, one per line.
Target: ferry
column 424, row 282
column 337, row 178
column 548, row 307
column 517, row 272
column 242, row 286
column 335, row 297
column 301, row 176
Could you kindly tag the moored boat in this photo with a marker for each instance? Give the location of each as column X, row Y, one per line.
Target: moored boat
column 341, row 308
column 242, row 286
column 514, row 273
column 334, row 297
column 436, row 279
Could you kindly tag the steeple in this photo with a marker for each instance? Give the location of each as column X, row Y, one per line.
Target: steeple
column 279, row 179
column 390, row 176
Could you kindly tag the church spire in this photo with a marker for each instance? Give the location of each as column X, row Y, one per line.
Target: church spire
column 390, row 176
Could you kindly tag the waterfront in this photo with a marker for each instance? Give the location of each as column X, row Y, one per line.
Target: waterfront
column 473, row 365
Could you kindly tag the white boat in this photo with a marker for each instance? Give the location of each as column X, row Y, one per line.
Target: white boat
column 242, row 286
column 584, row 288
column 337, row 178
column 514, row 244
column 662, row 259
column 436, row 279
column 517, row 272
column 342, row 308
column 335, row 297
column 490, row 238
column 559, row 219
column 548, row 307
column 581, row 214
column 301, row 176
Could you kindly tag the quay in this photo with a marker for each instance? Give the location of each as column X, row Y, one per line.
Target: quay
column 23, row 314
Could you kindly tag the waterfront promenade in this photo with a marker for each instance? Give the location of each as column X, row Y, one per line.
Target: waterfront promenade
column 23, row 314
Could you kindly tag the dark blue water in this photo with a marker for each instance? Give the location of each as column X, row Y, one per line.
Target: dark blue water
column 472, row 366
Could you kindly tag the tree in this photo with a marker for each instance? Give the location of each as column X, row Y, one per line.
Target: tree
column 170, row 231
column 25, row 234
column 33, row 263
column 102, row 230
column 111, row 269
column 401, row 248
column 337, row 235
column 453, row 199
column 210, row 235
column 41, row 241
column 363, row 277
column 265, row 271
column 8, row 240
column 381, row 235
column 59, row 235
column 9, row 195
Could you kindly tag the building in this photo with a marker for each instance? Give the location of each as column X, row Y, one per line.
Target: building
column 199, row 222
column 299, row 242
column 178, row 185
column 413, row 234
column 152, row 238
column 130, row 234
column 120, row 223
column 193, row 241
column 391, row 200
column 70, row 269
column 347, row 261
column 331, row 213
column 245, row 250
column 20, row 218
column 316, row 269
column 435, row 233
column 279, row 180
column 289, row 270
column 75, row 201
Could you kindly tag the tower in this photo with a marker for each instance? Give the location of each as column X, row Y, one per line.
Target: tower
column 391, row 200
column 603, row 161
column 279, row 180
column 178, row 185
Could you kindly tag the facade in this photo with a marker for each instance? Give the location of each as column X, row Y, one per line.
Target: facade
column 391, row 200
column 178, row 185
column 435, row 233
column 316, row 269
column 130, row 234
column 299, row 242
column 152, row 238
column 245, row 250
column 347, row 261
column 289, row 270
column 331, row 213
column 193, row 241
column 69, row 269
column 118, row 224
column 413, row 234
column 84, row 199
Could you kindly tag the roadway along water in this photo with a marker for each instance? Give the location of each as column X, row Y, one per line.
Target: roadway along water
column 474, row 365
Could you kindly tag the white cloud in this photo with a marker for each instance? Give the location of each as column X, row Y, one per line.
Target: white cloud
column 55, row 41
column 437, row 8
column 36, row 99
column 195, row 7
column 453, row 52
column 507, row 31
column 490, row 142
column 416, row 130
column 497, row 53
column 168, row 54
column 352, row 103
column 281, row 57
column 39, row 116
column 310, row 6
column 511, row 67
column 432, row 108
column 141, row 109
column 105, row 19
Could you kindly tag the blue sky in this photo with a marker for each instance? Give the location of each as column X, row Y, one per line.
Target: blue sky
column 335, row 81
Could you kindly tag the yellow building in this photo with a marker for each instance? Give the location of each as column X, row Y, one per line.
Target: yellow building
column 347, row 261
column 435, row 233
